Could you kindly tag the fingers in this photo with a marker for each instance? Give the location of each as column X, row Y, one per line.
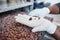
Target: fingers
column 20, row 19
column 24, row 16
column 24, row 19
column 18, row 16
column 28, row 20
column 40, row 28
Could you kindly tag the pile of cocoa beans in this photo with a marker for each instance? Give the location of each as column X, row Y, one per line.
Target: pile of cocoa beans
column 12, row 30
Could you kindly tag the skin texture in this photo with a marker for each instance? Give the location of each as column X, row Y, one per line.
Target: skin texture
column 56, row 35
column 55, row 10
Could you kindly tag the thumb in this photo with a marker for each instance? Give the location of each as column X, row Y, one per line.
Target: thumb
column 36, row 29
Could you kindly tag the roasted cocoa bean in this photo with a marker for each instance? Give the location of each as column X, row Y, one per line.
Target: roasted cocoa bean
column 11, row 30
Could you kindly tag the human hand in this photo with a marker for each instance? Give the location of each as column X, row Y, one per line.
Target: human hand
column 40, row 12
column 37, row 23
